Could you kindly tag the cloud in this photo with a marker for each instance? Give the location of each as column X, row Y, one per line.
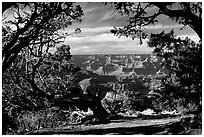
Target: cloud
column 95, row 31
column 95, row 36
column 107, row 16
column 106, row 43
column 104, row 37
column 160, row 26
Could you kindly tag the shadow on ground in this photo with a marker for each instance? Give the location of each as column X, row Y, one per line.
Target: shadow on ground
column 144, row 130
column 121, row 126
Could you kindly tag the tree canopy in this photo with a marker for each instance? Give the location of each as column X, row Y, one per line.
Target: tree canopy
column 142, row 14
column 35, row 24
column 182, row 57
column 35, row 74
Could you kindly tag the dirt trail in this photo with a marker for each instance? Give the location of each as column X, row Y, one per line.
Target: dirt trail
column 125, row 126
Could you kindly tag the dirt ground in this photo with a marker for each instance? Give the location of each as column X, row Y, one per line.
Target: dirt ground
column 122, row 126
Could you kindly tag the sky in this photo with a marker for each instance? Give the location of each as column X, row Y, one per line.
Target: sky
column 95, row 36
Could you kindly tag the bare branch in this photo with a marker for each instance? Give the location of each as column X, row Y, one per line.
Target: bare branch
column 18, row 81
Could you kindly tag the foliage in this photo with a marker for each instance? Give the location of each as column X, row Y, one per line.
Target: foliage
column 35, row 25
column 52, row 75
column 56, row 74
column 183, row 58
column 142, row 14
column 182, row 86
column 30, row 30
column 127, row 102
column 114, row 105
column 46, row 118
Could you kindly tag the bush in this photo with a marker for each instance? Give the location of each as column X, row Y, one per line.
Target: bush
column 182, row 86
column 47, row 118
column 127, row 102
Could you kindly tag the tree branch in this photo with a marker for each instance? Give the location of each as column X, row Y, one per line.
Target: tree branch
column 191, row 19
column 17, row 81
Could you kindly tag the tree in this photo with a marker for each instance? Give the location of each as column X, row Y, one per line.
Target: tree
column 56, row 74
column 30, row 87
column 28, row 36
column 76, row 97
column 41, row 76
column 35, row 24
column 185, row 13
column 183, row 59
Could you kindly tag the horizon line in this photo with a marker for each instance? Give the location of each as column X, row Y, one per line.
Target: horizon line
column 115, row 54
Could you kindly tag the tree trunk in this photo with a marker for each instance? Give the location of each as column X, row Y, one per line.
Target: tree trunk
column 83, row 102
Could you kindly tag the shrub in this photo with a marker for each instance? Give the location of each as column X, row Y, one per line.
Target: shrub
column 46, row 118
column 127, row 102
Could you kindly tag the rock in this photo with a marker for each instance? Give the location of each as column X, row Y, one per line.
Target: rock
column 148, row 112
